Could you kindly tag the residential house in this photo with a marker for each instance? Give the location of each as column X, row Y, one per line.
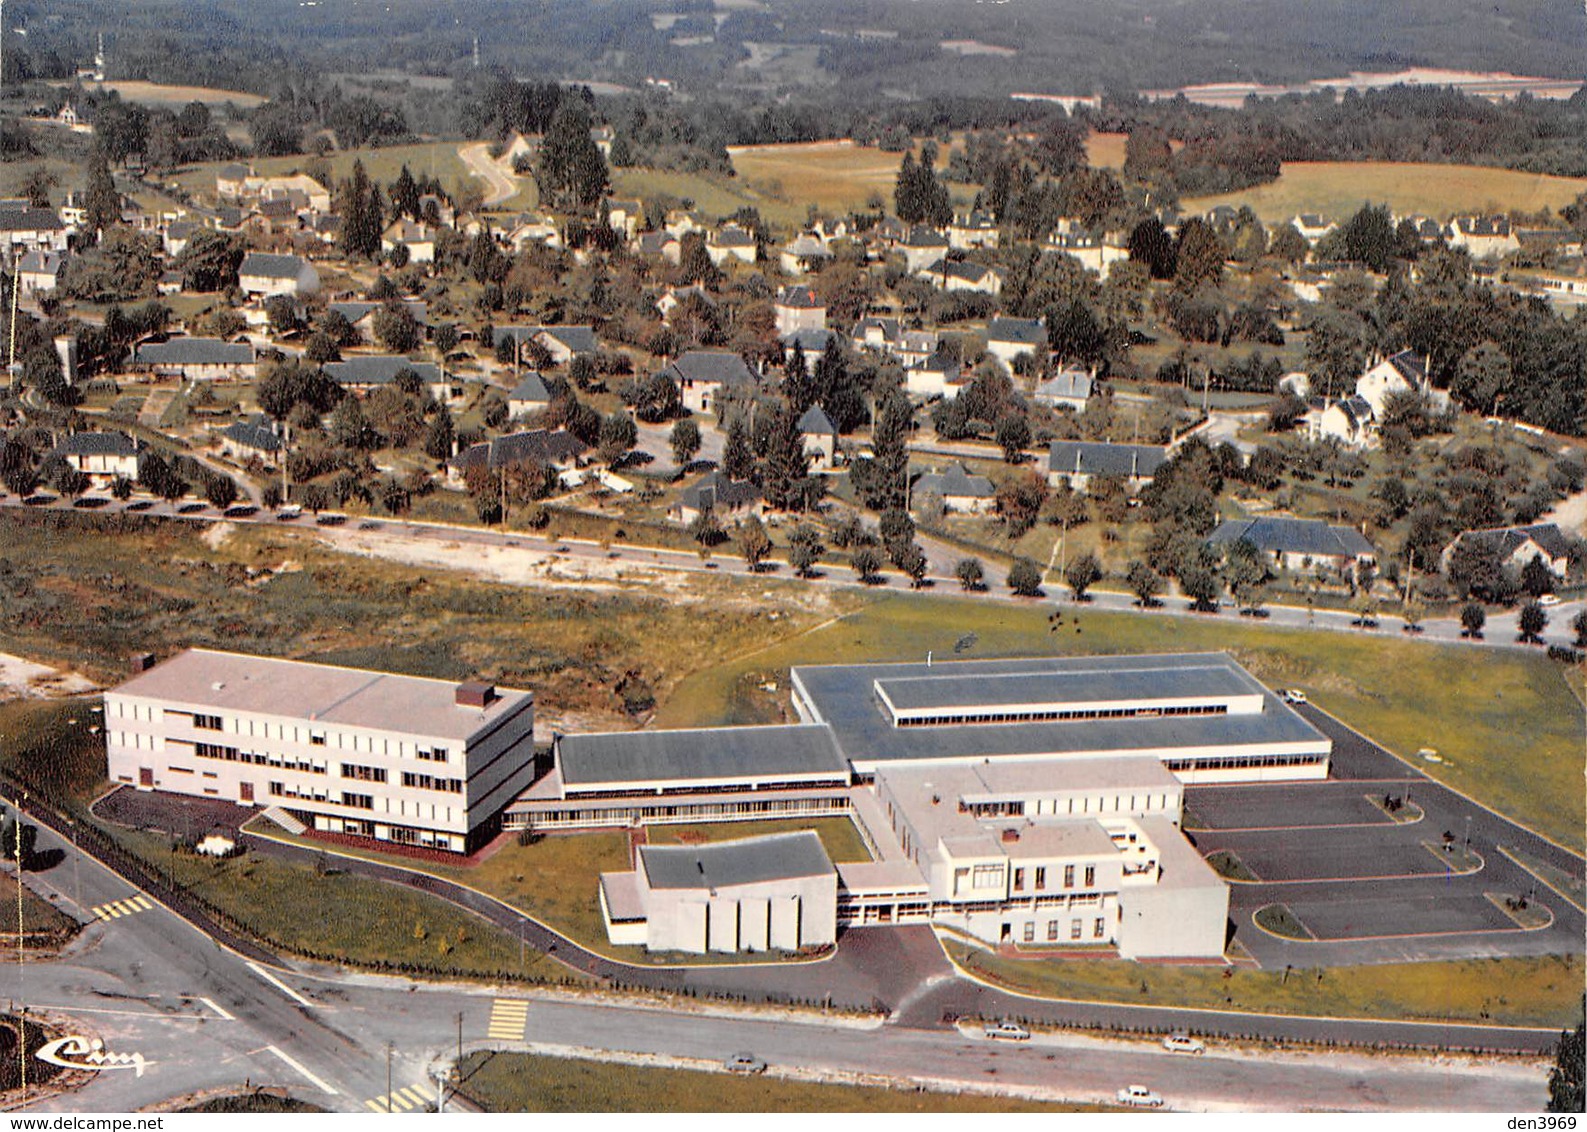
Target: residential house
column 231, row 182
column 661, row 245
column 673, row 298
column 973, row 230
column 730, row 242
column 1312, row 227
column 556, row 449
column 176, row 235
column 39, row 273
column 564, row 343
column 169, row 283
column 195, row 359
column 680, row 222
column 1405, row 372
column 1350, row 421
column 1483, row 237
column 529, row 396
column 360, row 315
column 704, row 376
column 821, row 438
column 1516, row 546
column 1077, row 461
column 804, row 253
column 887, row 337
column 962, row 275
column 263, row 275
column 24, row 230
column 921, row 247
column 1067, row 389
column 812, row 342
column 102, row 456
column 300, row 189
column 1299, row 544
column 1008, row 338
column 797, row 308
column 960, row 492
column 418, row 238
column 534, row 230
column 364, row 373
column 940, row 375
column 1095, row 253
column 253, row 439
column 728, row 500
column 625, row 216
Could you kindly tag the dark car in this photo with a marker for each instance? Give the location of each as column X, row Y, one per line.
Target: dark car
column 241, row 511
column 39, row 500
column 140, row 505
column 90, row 503
column 331, row 519
column 191, row 508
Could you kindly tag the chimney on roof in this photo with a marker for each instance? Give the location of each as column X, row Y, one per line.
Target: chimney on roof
column 141, row 662
column 476, row 693
column 1010, row 836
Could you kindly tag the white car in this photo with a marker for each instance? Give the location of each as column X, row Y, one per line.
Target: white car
column 1139, row 1096
column 746, row 1063
column 1548, row 600
column 1184, row 1043
column 1006, row 1030
column 1292, row 696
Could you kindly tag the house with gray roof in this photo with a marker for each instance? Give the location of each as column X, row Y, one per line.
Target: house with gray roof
column 962, row 275
column 940, row 375
column 1077, row 461
column 39, row 273
column 1067, row 389
column 263, row 275
column 959, row 491
column 1008, row 338
column 195, row 359
column 564, row 343
column 529, row 396
column 812, row 342
column 821, row 438
column 365, row 373
column 361, row 315
column 102, row 456
column 32, row 230
column 556, row 449
column 922, row 246
column 731, row 242
column 798, row 308
column 253, row 439
column 805, row 252
column 1514, row 547
column 704, row 376
column 1298, row 544
column 727, row 499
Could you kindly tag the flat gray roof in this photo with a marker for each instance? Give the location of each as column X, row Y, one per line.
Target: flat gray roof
column 718, row 754
column 843, row 696
column 754, row 860
column 319, row 693
column 1108, row 682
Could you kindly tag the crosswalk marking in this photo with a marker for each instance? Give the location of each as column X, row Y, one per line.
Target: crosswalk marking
column 128, row 906
column 508, row 1019
column 405, row 1099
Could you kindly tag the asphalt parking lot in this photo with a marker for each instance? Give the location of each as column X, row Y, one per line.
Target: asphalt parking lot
column 1366, row 886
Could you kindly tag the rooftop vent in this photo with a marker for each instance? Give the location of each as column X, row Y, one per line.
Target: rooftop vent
column 476, row 693
column 1010, row 836
column 142, row 662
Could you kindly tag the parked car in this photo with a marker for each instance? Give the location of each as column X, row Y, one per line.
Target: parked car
column 1139, row 1096
column 1292, row 696
column 744, row 1063
column 1548, row 600
column 1006, row 1030
column 191, row 508
column 140, row 505
column 241, row 511
column 331, row 519
column 1184, row 1043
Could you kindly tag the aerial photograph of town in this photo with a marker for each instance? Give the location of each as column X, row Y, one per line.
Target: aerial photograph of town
column 792, row 556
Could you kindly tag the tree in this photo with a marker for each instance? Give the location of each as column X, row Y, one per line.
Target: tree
column 210, row 260
column 1013, row 437
column 121, row 488
column 867, row 564
column 685, row 441
column 1472, row 618
column 282, row 311
column 71, row 483
column 754, row 544
column 1532, row 621
column 912, row 561
column 396, row 328
column 1484, row 372
column 1201, row 585
column 405, row 195
column 804, row 549
column 362, row 216
column 101, row 201
column 897, row 530
column 619, row 434
column 971, row 573
column 1081, row 574
column 787, row 464
column 1536, row 578
column 1019, row 501
column 1199, row 256
column 221, row 491
column 571, row 173
column 350, row 427
column 1578, row 625
column 1567, row 1090
column 1024, row 578
column 1145, row 583
column 738, row 462
column 1151, row 245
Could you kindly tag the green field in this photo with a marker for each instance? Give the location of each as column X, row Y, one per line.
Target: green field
column 439, row 159
column 1404, row 694
column 1533, row 991
column 839, row 836
column 521, row 1082
column 1338, row 188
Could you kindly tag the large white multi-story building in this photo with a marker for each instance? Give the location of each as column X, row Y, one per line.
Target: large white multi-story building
column 395, row 758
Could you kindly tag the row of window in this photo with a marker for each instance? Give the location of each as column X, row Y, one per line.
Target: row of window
column 1099, row 928
column 627, row 815
column 1055, row 715
column 1041, row 877
column 364, row 773
column 428, row 782
column 233, row 755
column 292, row 733
column 1237, row 762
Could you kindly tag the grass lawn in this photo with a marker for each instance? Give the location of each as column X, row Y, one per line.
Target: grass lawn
column 521, row 1082
column 365, row 922
column 1404, row 694
column 1570, row 886
column 438, row 158
column 1228, row 864
column 254, row 1102
column 838, row 835
column 1533, row 991
column 39, row 916
column 1278, row 919
column 50, row 746
column 1338, row 188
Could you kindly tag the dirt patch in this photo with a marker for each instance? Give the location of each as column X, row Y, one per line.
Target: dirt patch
column 218, row 535
column 19, row 677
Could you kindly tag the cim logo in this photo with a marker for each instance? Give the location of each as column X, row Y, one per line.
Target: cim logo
column 77, row 1052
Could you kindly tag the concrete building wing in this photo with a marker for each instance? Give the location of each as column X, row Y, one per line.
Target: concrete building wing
column 752, row 860
column 594, row 763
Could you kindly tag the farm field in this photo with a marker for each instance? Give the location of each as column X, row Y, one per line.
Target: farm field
column 176, row 97
column 1338, row 188
column 835, row 176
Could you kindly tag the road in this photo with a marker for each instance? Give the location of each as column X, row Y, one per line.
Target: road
column 503, row 184
column 1500, row 633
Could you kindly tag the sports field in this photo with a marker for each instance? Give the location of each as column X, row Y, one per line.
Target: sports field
column 1338, row 188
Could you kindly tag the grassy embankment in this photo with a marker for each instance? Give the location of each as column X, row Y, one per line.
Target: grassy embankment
column 1532, row 991
column 520, row 1082
column 1338, row 188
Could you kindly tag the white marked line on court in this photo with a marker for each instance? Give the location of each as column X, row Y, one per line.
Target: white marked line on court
column 219, row 1009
